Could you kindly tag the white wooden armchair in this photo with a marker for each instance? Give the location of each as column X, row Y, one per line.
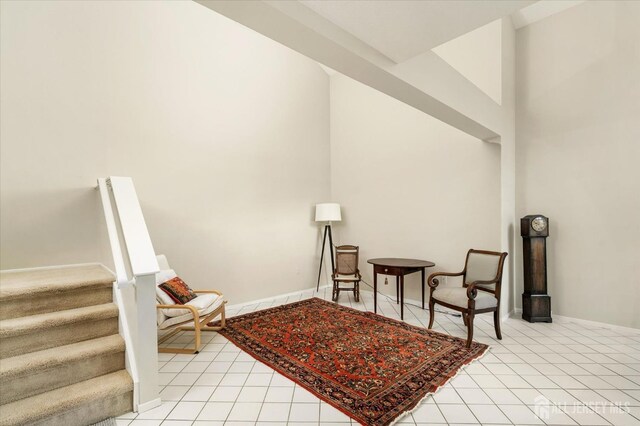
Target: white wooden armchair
column 173, row 317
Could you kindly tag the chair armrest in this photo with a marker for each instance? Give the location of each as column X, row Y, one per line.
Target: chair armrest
column 193, row 310
column 472, row 292
column 481, row 282
column 434, row 282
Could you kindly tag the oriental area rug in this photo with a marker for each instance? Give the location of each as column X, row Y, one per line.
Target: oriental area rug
column 372, row 368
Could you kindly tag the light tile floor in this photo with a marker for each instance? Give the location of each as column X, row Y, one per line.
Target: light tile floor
column 557, row 374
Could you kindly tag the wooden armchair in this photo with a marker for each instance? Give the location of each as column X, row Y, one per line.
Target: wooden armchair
column 479, row 293
column 346, row 271
column 199, row 312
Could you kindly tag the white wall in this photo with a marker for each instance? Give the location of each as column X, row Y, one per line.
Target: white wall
column 224, row 132
column 226, row 135
column 578, row 132
column 433, row 75
column 410, row 185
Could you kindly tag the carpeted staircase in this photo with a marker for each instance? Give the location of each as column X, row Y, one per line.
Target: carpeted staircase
column 61, row 357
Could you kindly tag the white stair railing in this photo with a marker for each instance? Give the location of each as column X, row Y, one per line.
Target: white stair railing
column 134, row 290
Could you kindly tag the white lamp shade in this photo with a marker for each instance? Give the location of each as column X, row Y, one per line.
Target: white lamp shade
column 328, row 212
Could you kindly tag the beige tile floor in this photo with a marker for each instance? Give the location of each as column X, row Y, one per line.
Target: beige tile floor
column 564, row 373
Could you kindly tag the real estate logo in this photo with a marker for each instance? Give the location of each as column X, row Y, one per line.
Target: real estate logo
column 542, row 407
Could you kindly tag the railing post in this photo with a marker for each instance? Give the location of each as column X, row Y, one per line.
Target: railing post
column 147, row 342
column 141, row 335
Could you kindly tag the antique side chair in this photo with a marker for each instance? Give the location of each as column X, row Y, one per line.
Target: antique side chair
column 346, row 271
column 479, row 293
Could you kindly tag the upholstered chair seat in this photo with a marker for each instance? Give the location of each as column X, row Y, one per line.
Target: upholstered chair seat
column 457, row 296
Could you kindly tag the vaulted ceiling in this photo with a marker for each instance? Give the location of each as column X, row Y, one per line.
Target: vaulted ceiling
column 403, row 29
column 443, row 57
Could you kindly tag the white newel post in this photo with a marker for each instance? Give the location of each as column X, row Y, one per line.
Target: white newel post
column 144, row 266
column 147, row 342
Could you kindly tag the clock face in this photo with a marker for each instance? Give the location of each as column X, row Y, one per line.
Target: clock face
column 538, row 224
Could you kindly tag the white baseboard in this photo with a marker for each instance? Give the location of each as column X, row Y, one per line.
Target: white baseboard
column 517, row 312
column 146, row 406
column 597, row 324
column 266, row 299
column 585, row 322
column 294, row 293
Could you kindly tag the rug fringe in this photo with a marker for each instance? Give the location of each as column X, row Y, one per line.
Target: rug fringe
column 419, row 403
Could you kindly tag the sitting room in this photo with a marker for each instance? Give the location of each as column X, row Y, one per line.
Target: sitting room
column 319, row 212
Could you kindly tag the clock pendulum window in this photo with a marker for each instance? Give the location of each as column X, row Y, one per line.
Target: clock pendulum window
column 536, row 303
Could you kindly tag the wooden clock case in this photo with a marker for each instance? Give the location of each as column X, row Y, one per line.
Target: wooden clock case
column 536, row 303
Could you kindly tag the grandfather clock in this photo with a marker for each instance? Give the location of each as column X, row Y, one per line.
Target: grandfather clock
column 536, row 303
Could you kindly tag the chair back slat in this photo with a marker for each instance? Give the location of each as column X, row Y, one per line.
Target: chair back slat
column 347, row 260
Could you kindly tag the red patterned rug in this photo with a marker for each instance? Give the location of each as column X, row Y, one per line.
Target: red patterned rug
column 370, row 367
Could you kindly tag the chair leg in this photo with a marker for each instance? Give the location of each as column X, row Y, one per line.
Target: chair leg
column 198, row 337
column 469, row 329
column 223, row 322
column 357, row 291
column 496, row 324
column 432, row 312
column 464, row 318
column 336, row 292
column 223, row 319
column 171, row 350
column 198, row 327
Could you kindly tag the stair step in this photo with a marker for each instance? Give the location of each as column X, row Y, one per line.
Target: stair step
column 41, row 290
column 82, row 403
column 26, row 375
column 37, row 332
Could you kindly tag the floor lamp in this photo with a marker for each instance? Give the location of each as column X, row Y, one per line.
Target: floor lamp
column 327, row 212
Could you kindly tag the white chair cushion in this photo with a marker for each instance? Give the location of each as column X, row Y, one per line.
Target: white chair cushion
column 186, row 315
column 201, row 303
column 346, row 278
column 457, row 296
column 160, row 316
column 163, row 263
